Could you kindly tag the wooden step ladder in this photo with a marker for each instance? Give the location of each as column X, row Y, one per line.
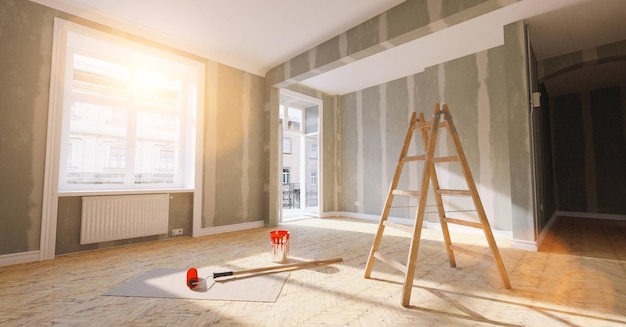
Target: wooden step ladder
column 429, row 131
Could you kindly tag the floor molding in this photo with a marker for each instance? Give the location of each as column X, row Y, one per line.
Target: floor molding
column 592, row 215
column 524, row 245
column 545, row 230
column 16, row 258
column 231, row 228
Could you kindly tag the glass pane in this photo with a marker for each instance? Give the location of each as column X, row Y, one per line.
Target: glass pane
column 97, row 144
column 295, row 119
column 311, row 166
column 158, row 90
column 100, row 78
column 286, row 145
column 156, row 147
column 312, row 116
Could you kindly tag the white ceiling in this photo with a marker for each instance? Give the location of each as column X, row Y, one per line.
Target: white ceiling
column 252, row 35
column 256, row 36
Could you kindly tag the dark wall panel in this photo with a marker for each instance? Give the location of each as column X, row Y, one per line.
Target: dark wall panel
column 569, row 153
column 609, row 149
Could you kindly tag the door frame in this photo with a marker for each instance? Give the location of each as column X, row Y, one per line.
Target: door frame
column 320, row 152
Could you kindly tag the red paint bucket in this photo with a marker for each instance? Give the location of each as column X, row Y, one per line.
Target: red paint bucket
column 279, row 239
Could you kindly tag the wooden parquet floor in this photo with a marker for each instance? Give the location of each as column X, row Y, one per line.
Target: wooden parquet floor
column 576, row 279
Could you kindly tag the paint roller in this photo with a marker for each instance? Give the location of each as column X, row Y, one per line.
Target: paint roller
column 193, row 281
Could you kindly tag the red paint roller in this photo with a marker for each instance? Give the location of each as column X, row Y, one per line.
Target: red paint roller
column 192, row 278
column 193, row 281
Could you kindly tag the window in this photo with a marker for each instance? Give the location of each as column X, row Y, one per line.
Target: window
column 286, row 175
column 313, row 178
column 295, row 119
column 74, row 154
column 294, row 125
column 313, row 153
column 166, row 159
column 128, row 112
column 116, row 157
column 286, row 145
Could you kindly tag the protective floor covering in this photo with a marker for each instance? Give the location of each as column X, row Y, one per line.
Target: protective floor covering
column 171, row 283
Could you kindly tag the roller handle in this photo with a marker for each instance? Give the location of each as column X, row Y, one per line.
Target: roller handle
column 279, row 267
column 222, row 274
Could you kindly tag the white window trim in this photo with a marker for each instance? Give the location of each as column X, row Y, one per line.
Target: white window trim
column 53, row 140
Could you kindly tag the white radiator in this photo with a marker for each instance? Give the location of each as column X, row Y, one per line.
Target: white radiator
column 109, row 218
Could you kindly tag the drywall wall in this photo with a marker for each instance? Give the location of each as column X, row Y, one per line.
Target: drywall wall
column 234, row 163
column 26, row 38
column 234, row 123
column 517, row 107
column 551, row 69
column 374, row 123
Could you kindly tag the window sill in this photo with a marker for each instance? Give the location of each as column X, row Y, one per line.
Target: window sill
column 124, row 192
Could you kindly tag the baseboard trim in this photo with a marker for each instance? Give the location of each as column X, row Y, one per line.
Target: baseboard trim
column 593, row 215
column 17, row 258
column 231, row 228
column 330, row 214
column 524, row 245
column 545, row 230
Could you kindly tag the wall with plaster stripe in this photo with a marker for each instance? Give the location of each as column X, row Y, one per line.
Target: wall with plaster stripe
column 374, row 123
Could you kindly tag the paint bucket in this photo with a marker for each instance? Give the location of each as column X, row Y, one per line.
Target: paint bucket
column 279, row 239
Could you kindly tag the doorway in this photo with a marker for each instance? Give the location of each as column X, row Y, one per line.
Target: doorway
column 300, row 156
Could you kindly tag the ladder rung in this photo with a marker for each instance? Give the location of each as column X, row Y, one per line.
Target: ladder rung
column 391, row 262
column 454, row 192
column 423, row 157
column 404, row 228
column 446, row 159
column 422, row 125
column 414, row 194
column 414, row 158
column 463, row 222
column 429, row 124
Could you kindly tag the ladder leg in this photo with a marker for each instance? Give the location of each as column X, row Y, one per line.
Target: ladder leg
column 419, row 219
column 412, row 258
column 476, row 199
column 439, row 200
column 394, row 183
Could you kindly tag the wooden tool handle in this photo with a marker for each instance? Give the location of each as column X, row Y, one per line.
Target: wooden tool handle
column 279, row 267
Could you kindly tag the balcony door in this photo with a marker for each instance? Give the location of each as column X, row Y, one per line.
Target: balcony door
column 300, row 156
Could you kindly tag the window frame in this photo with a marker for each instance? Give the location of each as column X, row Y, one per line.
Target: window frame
column 62, row 62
